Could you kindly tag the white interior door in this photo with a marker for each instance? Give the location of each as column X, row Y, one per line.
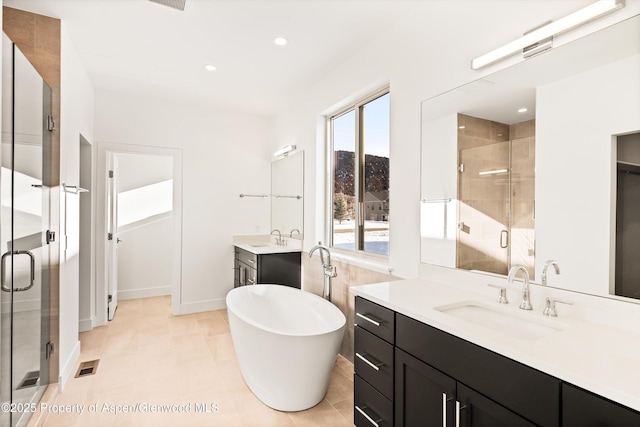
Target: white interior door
column 112, row 236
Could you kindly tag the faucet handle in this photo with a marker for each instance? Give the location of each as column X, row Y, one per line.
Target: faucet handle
column 502, row 299
column 550, row 306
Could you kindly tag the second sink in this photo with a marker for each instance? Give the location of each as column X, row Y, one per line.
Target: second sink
column 501, row 320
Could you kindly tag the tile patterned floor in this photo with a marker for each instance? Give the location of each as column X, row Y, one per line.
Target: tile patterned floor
column 148, row 356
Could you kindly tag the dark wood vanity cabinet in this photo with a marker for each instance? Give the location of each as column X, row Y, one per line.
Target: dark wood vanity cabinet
column 282, row 268
column 439, row 380
column 373, row 364
column 581, row 408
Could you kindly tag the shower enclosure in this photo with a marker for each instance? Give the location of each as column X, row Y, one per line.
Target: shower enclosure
column 24, row 237
column 496, row 176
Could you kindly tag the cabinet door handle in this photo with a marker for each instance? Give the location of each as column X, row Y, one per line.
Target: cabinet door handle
column 371, row 420
column 444, row 409
column 375, row 366
column 459, row 408
column 251, row 282
column 369, row 319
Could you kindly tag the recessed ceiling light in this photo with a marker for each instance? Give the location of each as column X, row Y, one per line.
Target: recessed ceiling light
column 280, row 41
column 522, row 110
column 210, row 67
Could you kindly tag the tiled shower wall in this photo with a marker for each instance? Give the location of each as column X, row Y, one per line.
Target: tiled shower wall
column 348, row 275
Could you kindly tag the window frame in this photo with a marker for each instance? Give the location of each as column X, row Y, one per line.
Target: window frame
column 359, row 156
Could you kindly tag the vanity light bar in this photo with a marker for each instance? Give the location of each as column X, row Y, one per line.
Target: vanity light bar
column 284, row 151
column 582, row 16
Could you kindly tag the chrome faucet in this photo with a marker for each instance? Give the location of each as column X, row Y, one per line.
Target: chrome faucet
column 526, row 302
column 294, row 230
column 279, row 240
column 328, row 270
column 548, row 264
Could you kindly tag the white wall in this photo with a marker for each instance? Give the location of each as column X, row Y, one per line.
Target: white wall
column 77, row 106
column 224, row 154
column 575, row 139
column 421, row 56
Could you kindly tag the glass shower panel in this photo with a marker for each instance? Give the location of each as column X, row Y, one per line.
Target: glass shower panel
column 522, row 233
column 484, row 206
column 24, row 219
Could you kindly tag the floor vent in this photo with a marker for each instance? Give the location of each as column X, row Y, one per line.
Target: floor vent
column 29, row 380
column 87, row 368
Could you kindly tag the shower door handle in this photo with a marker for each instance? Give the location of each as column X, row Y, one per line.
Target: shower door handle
column 504, row 239
column 32, row 265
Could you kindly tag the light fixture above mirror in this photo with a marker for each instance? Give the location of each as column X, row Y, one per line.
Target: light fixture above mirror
column 539, row 40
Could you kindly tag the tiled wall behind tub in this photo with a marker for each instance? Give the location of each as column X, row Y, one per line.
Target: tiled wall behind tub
column 348, row 275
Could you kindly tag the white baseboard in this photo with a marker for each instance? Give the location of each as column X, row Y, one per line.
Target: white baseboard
column 85, row 325
column 67, row 368
column 143, row 293
column 197, row 307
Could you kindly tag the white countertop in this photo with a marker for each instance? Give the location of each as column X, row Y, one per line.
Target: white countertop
column 267, row 244
column 260, row 249
column 604, row 360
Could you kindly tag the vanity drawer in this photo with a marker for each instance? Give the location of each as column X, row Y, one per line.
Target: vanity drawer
column 373, row 361
column 524, row 390
column 247, row 257
column 370, row 407
column 376, row 319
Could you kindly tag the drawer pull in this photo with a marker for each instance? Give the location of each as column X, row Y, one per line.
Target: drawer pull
column 375, row 366
column 371, row 420
column 251, row 261
column 369, row 319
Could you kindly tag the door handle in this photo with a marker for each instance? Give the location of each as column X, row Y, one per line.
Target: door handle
column 32, row 267
column 504, row 239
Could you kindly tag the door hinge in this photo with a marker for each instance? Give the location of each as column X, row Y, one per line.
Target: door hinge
column 461, row 167
column 109, row 236
column 110, row 174
column 51, row 236
column 49, row 348
column 51, row 124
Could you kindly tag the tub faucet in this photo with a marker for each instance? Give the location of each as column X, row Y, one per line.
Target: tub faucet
column 548, row 264
column 526, row 302
column 279, row 240
column 328, row 270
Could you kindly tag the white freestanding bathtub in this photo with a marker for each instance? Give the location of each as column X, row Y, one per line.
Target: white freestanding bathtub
column 286, row 341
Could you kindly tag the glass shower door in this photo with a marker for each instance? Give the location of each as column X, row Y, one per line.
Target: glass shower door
column 24, row 220
column 484, row 208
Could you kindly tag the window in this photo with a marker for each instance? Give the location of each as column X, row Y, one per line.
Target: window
column 359, row 137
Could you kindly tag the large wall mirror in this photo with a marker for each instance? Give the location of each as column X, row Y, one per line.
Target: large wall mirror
column 539, row 162
column 287, row 188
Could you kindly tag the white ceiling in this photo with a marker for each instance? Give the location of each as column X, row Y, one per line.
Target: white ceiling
column 138, row 45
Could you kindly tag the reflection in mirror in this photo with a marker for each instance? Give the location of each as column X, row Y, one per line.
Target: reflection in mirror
column 496, row 164
column 287, row 188
column 557, row 198
column 627, row 215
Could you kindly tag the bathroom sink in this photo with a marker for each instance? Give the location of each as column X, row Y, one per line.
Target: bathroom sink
column 258, row 246
column 504, row 321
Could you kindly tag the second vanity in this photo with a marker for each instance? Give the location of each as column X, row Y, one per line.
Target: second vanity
column 429, row 354
column 257, row 259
